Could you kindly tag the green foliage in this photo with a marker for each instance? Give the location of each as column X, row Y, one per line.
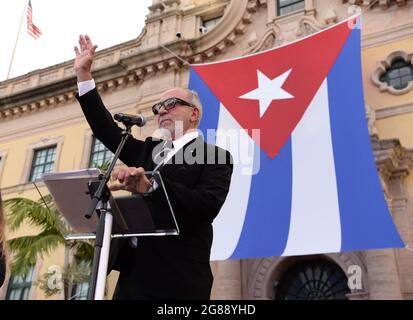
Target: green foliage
column 42, row 215
column 102, row 167
column 74, row 273
column 38, row 213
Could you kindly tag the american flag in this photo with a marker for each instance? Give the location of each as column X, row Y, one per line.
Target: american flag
column 31, row 28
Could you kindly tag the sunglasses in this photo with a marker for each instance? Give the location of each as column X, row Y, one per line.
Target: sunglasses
column 169, row 104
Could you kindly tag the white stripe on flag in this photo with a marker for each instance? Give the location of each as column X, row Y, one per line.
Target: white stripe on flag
column 229, row 222
column 315, row 216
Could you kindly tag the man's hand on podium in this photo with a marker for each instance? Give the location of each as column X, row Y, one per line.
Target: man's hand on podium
column 130, row 179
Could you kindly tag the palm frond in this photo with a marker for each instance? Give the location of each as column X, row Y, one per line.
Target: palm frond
column 83, row 250
column 28, row 248
column 44, row 215
column 18, row 209
column 103, row 167
column 36, row 213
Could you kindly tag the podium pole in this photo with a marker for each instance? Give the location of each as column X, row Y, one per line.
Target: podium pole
column 104, row 257
column 100, row 199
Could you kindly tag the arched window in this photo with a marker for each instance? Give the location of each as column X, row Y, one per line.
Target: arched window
column 312, row 280
column 398, row 75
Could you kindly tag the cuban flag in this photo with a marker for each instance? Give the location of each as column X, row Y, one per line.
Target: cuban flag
column 304, row 180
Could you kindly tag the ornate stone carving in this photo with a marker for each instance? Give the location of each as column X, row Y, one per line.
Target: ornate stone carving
column 267, row 41
column 308, row 26
column 384, row 4
column 371, row 119
column 330, row 17
column 392, row 160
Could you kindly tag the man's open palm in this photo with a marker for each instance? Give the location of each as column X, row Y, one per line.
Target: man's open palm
column 84, row 58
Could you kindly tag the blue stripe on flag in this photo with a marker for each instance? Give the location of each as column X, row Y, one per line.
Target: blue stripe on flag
column 210, row 103
column 365, row 220
column 269, row 208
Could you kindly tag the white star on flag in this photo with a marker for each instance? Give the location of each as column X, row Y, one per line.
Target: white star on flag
column 269, row 90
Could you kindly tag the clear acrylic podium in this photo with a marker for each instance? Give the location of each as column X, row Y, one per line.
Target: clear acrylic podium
column 125, row 216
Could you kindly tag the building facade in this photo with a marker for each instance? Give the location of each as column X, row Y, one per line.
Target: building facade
column 43, row 129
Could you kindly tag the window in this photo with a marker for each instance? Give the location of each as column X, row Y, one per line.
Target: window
column 43, row 162
column 287, row 6
column 80, row 291
column 210, row 23
column 19, row 287
column 99, row 154
column 82, row 273
column 398, row 75
column 313, row 280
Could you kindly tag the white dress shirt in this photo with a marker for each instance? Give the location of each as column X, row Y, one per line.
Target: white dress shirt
column 85, row 86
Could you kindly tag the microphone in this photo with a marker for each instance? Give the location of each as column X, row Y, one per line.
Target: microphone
column 130, row 119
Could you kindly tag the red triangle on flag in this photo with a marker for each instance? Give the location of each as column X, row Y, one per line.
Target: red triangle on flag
column 299, row 69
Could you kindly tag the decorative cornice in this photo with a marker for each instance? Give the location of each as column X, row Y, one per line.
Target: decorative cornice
column 394, row 111
column 55, row 86
column 109, row 76
column 123, row 65
column 383, row 4
column 131, row 62
column 388, row 35
column 392, row 159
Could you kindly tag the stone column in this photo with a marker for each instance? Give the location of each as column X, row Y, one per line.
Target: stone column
column 227, row 283
column 391, row 271
column 400, row 211
column 383, row 277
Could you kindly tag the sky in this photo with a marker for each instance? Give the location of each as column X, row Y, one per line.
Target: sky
column 107, row 23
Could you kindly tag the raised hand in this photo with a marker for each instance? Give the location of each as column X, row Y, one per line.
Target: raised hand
column 84, row 58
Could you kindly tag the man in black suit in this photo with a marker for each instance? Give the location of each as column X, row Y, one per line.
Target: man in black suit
column 174, row 267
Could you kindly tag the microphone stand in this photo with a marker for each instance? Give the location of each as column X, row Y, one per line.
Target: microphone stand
column 100, row 203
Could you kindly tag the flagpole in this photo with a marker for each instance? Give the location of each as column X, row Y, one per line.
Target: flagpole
column 17, row 39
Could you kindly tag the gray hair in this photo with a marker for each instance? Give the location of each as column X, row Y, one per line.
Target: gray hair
column 193, row 98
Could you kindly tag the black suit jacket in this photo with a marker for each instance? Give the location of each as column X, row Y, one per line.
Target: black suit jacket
column 173, row 267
